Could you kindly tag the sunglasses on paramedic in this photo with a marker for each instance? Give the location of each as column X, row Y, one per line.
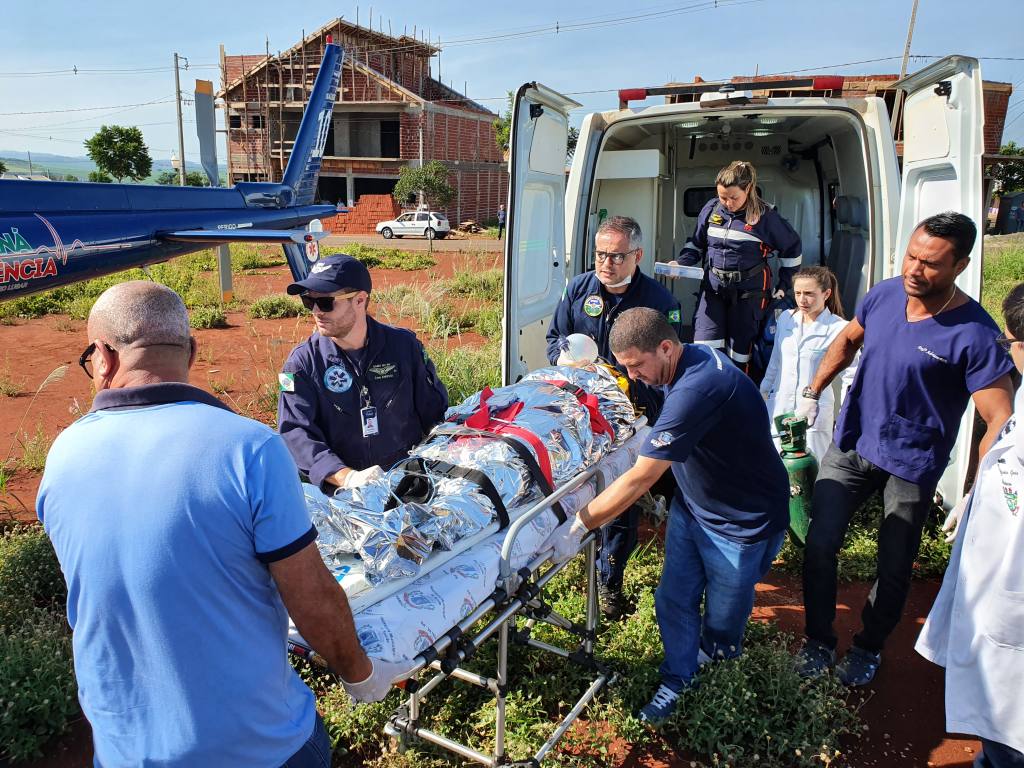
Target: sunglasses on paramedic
column 85, row 360
column 1005, row 342
column 617, row 258
column 324, row 303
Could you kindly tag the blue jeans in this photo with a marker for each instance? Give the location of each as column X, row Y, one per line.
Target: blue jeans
column 315, row 753
column 701, row 564
column 996, row 755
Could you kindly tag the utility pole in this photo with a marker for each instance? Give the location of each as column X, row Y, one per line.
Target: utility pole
column 181, row 132
column 30, row 160
column 898, row 103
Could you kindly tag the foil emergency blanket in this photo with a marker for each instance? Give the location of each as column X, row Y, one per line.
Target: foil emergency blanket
column 392, row 534
column 404, row 622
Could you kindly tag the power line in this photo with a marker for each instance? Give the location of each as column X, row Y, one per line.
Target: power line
column 87, row 109
column 74, row 71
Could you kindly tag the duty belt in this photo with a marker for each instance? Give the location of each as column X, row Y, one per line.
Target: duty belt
column 731, row 276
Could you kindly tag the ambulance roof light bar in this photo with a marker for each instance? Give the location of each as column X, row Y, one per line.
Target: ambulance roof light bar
column 821, row 83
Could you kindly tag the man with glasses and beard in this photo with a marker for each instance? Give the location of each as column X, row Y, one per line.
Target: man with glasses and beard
column 357, row 394
column 589, row 306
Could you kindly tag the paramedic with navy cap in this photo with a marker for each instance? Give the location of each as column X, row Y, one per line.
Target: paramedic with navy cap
column 928, row 348
column 736, row 231
column 357, row 394
column 730, row 508
column 590, row 304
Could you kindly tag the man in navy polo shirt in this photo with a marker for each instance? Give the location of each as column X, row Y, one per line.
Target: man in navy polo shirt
column 927, row 349
column 591, row 303
column 357, row 394
column 730, row 508
column 183, row 536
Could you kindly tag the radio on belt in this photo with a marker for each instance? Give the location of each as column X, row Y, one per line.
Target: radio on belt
column 678, row 270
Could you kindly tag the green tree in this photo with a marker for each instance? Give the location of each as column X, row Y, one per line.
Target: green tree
column 120, row 152
column 503, row 131
column 3, row 168
column 431, row 181
column 70, row 177
column 100, row 177
column 192, row 179
column 1010, row 175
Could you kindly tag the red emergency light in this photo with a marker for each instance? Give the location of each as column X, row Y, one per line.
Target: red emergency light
column 820, row 83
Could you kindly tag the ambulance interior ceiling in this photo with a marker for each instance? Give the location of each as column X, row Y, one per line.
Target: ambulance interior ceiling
column 804, row 162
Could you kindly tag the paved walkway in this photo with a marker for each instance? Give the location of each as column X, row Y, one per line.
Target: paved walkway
column 419, row 243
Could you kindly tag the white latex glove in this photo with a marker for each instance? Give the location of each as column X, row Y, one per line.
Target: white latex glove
column 376, row 686
column 361, row 477
column 564, row 542
column 778, row 294
column 807, row 408
column 951, row 525
column 765, row 394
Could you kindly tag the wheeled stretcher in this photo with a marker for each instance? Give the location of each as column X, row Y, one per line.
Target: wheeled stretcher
column 494, row 577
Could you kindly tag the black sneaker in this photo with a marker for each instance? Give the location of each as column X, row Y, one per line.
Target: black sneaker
column 814, row 659
column 858, row 667
column 613, row 603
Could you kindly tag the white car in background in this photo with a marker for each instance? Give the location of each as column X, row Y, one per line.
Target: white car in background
column 428, row 224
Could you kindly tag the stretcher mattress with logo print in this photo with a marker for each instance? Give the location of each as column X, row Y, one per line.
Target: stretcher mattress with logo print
column 396, row 620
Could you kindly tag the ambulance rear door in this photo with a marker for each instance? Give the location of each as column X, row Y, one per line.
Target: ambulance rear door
column 535, row 268
column 943, row 143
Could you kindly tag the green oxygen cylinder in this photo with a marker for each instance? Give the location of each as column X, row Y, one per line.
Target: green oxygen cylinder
column 802, row 469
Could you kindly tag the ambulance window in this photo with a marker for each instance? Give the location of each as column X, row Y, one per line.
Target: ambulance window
column 695, row 198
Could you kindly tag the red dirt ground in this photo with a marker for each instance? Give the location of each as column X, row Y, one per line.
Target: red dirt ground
column 903, row 709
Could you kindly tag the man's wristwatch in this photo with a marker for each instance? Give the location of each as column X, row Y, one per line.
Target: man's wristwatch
column 810, row 394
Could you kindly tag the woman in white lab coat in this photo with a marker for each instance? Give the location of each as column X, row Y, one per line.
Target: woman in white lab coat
column 976, row 627
column 801, row 337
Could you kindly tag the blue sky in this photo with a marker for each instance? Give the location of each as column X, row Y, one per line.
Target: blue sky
column 668, row 41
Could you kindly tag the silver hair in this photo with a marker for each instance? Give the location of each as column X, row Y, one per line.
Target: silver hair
column 624, row 225
column 140, row 313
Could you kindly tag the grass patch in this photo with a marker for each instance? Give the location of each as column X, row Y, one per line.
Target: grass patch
column 1002, row 269
column 466, row 370
column 34, row 449
column 485, row 320
column 275, row 307
column 207, row 317
column 384, row 258
column 8, row 386
column 487, row 285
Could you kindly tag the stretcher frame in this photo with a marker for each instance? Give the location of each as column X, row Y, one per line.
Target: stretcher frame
column 516, row 593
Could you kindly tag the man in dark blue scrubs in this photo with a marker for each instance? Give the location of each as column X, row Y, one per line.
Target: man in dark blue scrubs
column 927, row 349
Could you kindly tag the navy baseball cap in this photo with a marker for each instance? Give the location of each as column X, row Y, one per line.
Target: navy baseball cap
column 332, row 274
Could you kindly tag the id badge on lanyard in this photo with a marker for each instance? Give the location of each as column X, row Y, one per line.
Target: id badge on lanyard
column 368, row 415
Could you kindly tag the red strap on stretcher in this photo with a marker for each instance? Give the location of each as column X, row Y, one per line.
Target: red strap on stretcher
column 598, row 423
column 482, row 420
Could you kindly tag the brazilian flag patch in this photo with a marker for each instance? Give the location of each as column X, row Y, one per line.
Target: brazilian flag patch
column 673, row 315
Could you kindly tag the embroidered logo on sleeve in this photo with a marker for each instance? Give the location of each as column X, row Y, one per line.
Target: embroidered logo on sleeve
column 286, row 381
column 673, row 315
column 662, row 439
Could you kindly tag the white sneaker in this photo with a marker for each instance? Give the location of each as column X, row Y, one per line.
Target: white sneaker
column 661, row 706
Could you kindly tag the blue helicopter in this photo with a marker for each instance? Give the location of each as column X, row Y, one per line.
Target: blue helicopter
column 54, row 233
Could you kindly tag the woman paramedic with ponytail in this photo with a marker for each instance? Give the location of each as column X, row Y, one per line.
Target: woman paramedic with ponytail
column 735, row 233
column 801, row 337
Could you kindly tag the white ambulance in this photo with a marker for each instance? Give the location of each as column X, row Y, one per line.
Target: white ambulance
column 828, row 164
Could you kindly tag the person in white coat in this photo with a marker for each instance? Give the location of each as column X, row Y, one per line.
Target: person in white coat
column 802, row 335
column 976, row 627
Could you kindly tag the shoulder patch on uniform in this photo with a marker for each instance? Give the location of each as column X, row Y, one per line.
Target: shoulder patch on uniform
column 286, row 382
column 716, row 218
column 593, row 305
column 662, row 439
column 673, row 315
column 337, row 379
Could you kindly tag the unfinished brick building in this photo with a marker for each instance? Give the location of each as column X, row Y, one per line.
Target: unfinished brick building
column 390, row 113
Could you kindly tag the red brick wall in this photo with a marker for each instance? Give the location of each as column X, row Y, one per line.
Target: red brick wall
column 995, row 100
column 362, row 218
